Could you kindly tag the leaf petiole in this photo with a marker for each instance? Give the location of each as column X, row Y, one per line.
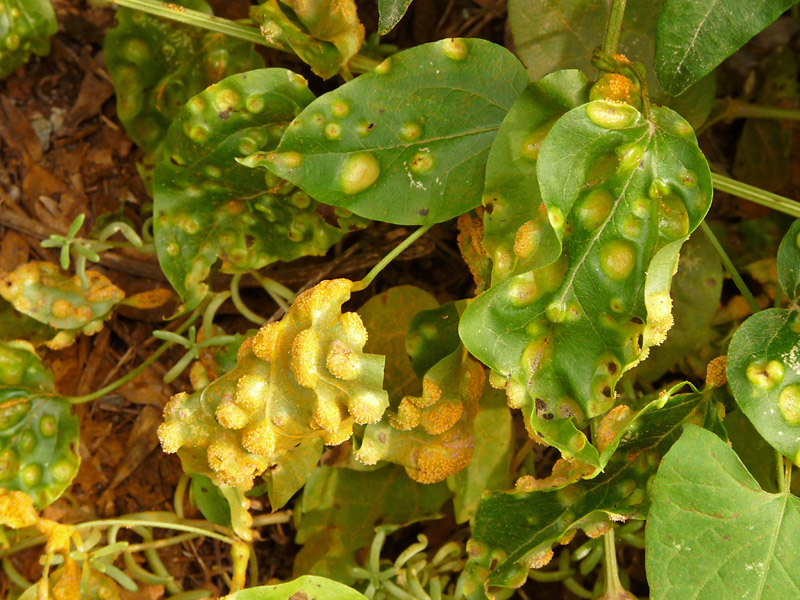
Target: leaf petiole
column 133, row 374
column 384, row 262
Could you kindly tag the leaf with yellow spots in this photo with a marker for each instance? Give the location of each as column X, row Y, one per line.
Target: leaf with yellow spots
column 428, row 428
column 157, row 65
column 431, row 434
column 302, row 378
column 41, row 291
column 514, row 530
column 38, row 432
column 393, row 133
column 763, row 365
column 325, row 34
column 518, row 236
column 622, row 192
column 208, row 207
column 387, row 317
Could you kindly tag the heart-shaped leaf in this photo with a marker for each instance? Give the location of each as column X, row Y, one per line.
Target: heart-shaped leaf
column 302, row 378
column 157, row 65
column 622, row 193
column 25, row 28
column 209, row 207
column 393, row 132
column 38, row 432
column 713, row 532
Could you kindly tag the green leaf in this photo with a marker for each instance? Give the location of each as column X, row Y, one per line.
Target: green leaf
column 208, row 207
column 764, row 147
column 418, row 126
column 41, row 291
column 764, row 375
column 714, row 533
column 622, row 193
column 340, row 509
column 325, row 34
column 308, row 586
column 290, row 471
column 516, row 236
column 389, row 14
column 387, row 317
column 25, row 28
column 158, row 65
column 694, row 36
column 210, row 500
column 513, row 529
column 432, row 335
column 16, row 326
column 551, row 35
column 695, row 292
column 789, row 262
column 302, row 378
column 489, row 468
column 38, row 432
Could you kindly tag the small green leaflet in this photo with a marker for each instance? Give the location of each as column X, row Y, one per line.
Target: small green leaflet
column 714, row 533
column 308, row 586
column 393, row 133
column 622, row 193
column 694, row 36
column 389, row 14
column 209, row 207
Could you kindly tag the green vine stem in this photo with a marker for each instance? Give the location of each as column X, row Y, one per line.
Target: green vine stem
column 241, row 306
column 755, row 194
column 614, row 27
column 280, row 294
column 384, row 262
column 730, row 108
column 135, row 372
column 180, row 14
column 732, row 271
